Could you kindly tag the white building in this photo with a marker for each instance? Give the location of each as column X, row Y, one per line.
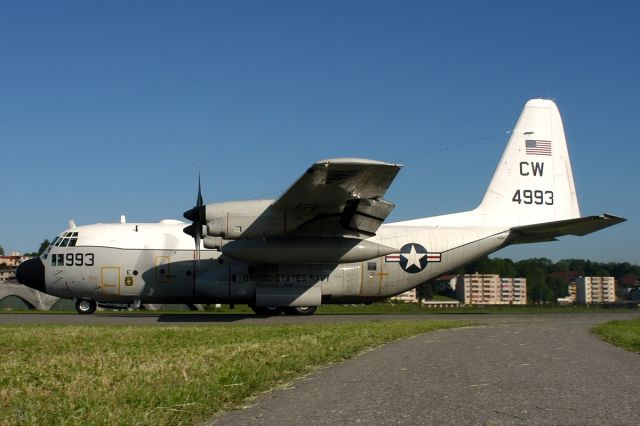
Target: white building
column 13, row 261
column 7, row 275
column 491, row 289
column 406, row 297
column 595, row 290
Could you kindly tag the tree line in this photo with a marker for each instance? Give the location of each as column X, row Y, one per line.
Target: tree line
column 542, row 285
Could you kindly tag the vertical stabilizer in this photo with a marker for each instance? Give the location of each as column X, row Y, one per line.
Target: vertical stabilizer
column 533, row 182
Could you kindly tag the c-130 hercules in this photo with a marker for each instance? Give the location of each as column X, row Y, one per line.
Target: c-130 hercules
column 322, row 241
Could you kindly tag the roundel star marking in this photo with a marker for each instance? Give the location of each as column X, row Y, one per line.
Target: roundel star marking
column 413, row 258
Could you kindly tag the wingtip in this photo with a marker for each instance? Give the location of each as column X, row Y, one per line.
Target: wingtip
column 615, row 218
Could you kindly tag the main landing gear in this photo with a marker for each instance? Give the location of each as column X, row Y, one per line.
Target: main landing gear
column 86, row 306
column 276, row 310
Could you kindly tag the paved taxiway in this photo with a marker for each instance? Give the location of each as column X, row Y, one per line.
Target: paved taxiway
column 510, row 369
column 521, row 369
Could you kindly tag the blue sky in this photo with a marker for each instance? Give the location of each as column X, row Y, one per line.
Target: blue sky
column 110, row 108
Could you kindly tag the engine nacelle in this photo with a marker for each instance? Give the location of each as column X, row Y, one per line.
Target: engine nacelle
column 305, row 250
column 212, row 242
column 242, row 219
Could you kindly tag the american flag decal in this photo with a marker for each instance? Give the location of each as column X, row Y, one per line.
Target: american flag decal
column 536, row 147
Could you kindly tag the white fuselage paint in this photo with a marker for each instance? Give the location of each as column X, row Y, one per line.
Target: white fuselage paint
column 156, row 263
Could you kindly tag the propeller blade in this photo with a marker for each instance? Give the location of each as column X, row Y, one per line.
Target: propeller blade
column 197, row 216
column 199, row 202
column 199, row 223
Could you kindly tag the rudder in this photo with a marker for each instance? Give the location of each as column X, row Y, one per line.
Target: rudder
column 533, row 182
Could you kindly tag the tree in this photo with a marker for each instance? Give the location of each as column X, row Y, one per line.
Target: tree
column 537, row 290
column 43, row 246
column 1, row 251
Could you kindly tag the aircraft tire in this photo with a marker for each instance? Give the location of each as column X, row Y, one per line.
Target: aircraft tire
column 86, row 306
column 267, row 310
column 300, row 310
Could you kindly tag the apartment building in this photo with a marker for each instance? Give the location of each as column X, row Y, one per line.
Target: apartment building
column 491, row 289
column 595, row 290
column 13, row 260
column 8, row 265
column 7, row 275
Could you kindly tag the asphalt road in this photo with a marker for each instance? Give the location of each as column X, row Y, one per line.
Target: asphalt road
column 509, row 370
column 512, row 370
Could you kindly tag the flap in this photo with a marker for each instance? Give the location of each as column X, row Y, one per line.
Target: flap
column 328, row 193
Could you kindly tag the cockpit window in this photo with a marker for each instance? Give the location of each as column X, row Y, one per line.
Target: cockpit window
column 68, row 239
column 57, row 260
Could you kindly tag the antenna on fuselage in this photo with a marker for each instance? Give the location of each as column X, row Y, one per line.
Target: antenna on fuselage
column 72, row 224
column 123, row 219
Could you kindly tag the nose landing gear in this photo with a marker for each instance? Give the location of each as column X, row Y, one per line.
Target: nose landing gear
column 85, row 306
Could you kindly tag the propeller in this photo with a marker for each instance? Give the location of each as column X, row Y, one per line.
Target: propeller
column 197, row 216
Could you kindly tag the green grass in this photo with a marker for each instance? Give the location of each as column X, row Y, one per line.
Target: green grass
column 408, row 308
column 165, row 375
column 384, row 308
column 625, row 334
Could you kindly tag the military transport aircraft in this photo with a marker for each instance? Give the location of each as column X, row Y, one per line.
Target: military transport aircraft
column 323, row 240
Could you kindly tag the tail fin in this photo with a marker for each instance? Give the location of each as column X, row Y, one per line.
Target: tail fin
column 533, row 182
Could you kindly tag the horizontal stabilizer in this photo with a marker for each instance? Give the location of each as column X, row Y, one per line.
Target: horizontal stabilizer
column 549, row 231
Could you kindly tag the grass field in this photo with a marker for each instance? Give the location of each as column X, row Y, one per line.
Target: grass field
column 625, row 334
column 376, row 308
column 166, row 375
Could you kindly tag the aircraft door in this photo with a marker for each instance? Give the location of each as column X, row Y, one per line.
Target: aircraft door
column 371, row 278
column 110, row 280
column 350, row 277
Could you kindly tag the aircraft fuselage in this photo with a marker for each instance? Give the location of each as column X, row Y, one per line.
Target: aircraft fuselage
column 156, row 263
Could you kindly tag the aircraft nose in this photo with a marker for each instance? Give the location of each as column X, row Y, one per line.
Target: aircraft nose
column 31, row 274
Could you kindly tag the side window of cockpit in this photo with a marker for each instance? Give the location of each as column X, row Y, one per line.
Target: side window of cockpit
column 57, row 260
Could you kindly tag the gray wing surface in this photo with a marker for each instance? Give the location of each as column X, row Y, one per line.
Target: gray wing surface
column 549, row 231
column 339, row 197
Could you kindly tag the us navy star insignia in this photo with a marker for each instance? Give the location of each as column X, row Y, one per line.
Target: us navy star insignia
column 413, row 258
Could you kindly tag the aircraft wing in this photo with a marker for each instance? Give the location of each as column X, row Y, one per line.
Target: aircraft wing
column 549, row 231
column 341, row 196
